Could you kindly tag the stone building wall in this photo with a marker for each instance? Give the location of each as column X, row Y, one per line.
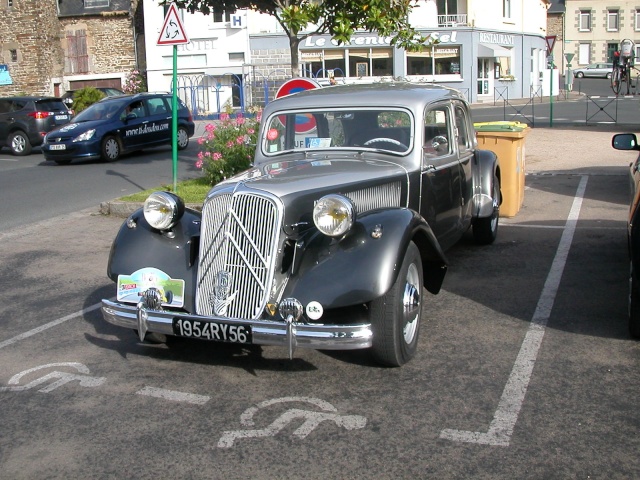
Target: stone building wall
column 32, row 30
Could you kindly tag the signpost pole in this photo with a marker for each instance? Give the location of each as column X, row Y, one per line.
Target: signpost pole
column 172, row 33
column 174, row 120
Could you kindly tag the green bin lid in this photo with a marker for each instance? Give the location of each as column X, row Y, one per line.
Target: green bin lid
column 499, row 126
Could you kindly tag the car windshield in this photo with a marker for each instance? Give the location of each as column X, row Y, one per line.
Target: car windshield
column 362, row 129
column 99, row 111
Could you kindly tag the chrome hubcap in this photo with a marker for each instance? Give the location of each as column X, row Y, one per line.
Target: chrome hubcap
column 411, row 304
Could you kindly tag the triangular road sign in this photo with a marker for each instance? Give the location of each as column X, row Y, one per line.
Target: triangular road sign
column 172, row 32
column 551, row 41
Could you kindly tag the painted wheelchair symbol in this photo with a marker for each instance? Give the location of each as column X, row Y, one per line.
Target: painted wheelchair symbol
column 61, row 378
column 311, row 420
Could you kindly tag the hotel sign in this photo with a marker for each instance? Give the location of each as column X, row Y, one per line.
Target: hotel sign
column 325, row 41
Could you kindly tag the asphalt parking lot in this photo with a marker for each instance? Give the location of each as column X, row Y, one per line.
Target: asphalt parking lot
column 524, row 369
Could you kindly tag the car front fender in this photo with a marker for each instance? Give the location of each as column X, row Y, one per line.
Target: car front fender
column 137, row 245
column 360, row 268
column 487, row 169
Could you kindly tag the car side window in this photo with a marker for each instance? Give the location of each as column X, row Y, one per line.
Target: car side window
column 136, row 108
column 437, row 123
column 157, row 106
column 461, row 128
column 18, row 105
column 5, row 106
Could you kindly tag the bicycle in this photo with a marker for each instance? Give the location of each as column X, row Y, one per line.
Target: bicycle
column 620, row 78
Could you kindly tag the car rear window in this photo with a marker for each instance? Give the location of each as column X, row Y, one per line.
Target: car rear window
column 50, row 106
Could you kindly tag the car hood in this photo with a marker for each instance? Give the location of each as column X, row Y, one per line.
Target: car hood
column 75, row 128
column 300, row 183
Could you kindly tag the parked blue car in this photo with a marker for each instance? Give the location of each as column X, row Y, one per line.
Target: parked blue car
column 117, row 125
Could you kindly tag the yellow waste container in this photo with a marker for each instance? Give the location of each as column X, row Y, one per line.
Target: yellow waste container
column 507, row 141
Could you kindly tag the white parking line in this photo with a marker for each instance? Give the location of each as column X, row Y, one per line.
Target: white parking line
column 174, row 395
column 506, row 415
column 49, row 325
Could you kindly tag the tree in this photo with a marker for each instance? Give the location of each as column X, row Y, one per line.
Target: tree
column 339, row 18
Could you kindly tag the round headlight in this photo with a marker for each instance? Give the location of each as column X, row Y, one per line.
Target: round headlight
column 333, row 215
column 163, row 210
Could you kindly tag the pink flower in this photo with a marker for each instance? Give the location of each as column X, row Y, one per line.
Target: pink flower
column 199, row 164
column 230, row 144
column 207, row 154
column 259, row 116
column 250, row 131
column 210, row 127
column 200, row 156
column 217, row 156
column 224, row 117
column 201, row 140
column 239, row 121
column 240, row 140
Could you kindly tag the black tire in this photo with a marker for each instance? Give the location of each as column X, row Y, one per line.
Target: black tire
column 609, row 75
column 111, row 149
column 579, row 75
column 395, row 317
column 634, row 304
column 183, row 138
column 485, row 230
column 19, row 143
column 615, row 81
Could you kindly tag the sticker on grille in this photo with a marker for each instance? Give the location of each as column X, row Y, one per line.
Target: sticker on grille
column 237, row 253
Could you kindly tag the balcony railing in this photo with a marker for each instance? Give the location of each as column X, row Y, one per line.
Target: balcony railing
column 452, row 20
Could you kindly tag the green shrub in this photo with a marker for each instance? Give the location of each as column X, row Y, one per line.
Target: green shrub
column 85, row 97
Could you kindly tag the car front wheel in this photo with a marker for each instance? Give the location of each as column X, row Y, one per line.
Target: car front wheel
column 634, row 304
column 579, row 75
column 395, row 317
column 609, row 75
column 183, row 138
column 110, row 149
column 19, row 143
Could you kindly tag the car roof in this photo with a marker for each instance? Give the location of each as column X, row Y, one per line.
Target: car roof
column 133, row 96
column 391, row 94
column 31, row 98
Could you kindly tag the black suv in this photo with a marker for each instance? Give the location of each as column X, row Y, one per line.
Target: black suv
column 24, row 121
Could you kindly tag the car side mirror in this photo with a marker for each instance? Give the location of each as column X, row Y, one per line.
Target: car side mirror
column 625, row 141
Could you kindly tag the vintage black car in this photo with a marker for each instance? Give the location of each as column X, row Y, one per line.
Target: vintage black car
column 629, row 141
column 329, row 241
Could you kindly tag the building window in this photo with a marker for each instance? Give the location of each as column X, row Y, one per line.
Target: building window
column 9, row 3
column 364, row 62
column 220, row 16
column 636, row 20
column 506, row 8
column 77, row 57
column 585, row 21
column 584, row 54
column 611, row 48
column 613, row 17
column 14, row 55
column 236, row 57
column 445, row 61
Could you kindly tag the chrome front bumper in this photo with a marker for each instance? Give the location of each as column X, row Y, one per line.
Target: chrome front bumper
column 264, row 332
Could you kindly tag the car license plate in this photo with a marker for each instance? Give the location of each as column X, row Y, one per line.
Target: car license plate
column 61, row 117
column 214, row 331
column 57, row 147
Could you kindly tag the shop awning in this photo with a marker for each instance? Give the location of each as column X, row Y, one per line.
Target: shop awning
column 492, row 50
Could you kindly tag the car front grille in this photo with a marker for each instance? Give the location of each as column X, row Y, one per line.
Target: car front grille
column 238, row 246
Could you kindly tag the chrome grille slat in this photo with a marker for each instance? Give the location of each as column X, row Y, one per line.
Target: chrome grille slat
column 380, row 196
column 239, row 235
